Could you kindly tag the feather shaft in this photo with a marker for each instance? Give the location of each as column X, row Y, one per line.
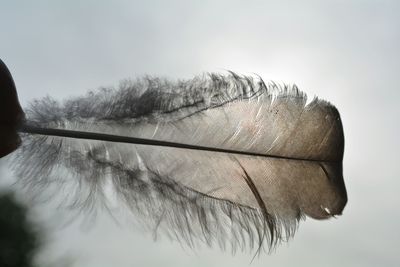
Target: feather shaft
column 25, row 128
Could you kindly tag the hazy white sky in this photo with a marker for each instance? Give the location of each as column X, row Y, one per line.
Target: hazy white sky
column 344, row 51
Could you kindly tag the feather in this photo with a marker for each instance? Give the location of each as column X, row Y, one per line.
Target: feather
column 224, row 159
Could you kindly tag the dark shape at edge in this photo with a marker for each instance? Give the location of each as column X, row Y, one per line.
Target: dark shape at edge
column 11, row 114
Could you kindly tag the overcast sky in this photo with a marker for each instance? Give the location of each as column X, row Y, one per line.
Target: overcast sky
column 344, row 51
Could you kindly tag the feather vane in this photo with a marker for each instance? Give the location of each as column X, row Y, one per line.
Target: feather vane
column 279, row 158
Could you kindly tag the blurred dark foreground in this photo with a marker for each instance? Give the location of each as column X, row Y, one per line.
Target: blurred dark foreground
column 19, row 240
